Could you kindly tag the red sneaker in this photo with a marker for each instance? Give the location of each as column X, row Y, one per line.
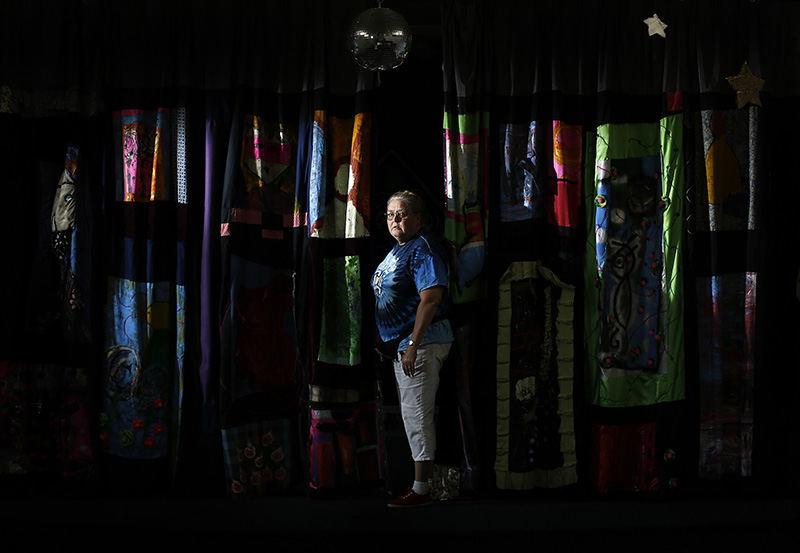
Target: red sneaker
column 410, row 499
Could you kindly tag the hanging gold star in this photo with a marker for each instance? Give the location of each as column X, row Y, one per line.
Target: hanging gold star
column 746, row 86
column 655, row 26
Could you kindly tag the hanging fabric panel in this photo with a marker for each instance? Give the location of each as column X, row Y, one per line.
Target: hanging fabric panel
column 145, row 303
column 725, row 216
column 466, row 139
column 60, row 291
column 258, row 345
column 565, row 174
column 345, row 434
column 45, row 421
column 540, row 182
column 290, row 251
column 340, row 339
column 338, row 210
column 634, row 309
column 519, row 185
column 339, row 190
column 535, row 421
column 624, row 457
column 339, row 379
column 346, row 448
column 215, row 122
column 465, row 131
column 258, row 458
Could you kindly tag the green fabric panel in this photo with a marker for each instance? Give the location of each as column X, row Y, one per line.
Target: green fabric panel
column 624, row 140
column 468, row 123
column 340, row 337
column 616, row 141
column 674, row 353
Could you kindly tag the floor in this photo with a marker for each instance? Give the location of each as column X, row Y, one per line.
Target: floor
column 32, row 523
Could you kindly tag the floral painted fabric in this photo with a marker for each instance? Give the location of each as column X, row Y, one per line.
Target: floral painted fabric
column 258, row 458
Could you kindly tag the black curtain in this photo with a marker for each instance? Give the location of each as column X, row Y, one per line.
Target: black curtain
column 66, row 66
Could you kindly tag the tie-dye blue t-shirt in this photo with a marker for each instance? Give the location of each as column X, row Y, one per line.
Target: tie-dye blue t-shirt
column 397, row 282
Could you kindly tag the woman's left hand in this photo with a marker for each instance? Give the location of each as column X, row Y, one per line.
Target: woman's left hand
column 409, row 359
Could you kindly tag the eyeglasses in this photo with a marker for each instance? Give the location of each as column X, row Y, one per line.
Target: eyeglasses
column 390, row 215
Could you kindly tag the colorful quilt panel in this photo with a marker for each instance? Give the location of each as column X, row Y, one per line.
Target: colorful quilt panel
column 466, row 155
column 521, row 189
column 346, row 448
column 633, row 279
column 725, row 212
column 144, row 139
column 143, row 367
column 339, row 182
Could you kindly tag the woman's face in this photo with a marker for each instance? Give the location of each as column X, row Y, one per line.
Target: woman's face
column 402, row 223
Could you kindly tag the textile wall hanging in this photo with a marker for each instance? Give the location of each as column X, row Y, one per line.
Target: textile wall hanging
column 59, row 315
column 340, row 339
column 466, row 138
column 60, row 290
column 258, row 458
column 64, row 228
column 145, row 302
column 525, row 149
column 624, row 457
column 633, row 275
column 642, row 449
column 465, row 134
column 540, row 182
column 467, row 171
column 48, row 361
column 259, row 322
column 535, row 415
column 216, row 122
column 258, row 226
column 338, row 199
column 519, row 183
column 725, row 221
column 343, row 404
column 339, row 185
column 347, row 449
column 44, row 421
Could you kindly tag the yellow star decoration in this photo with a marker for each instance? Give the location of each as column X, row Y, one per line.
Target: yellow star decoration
column 746, row 86
column 655, row 26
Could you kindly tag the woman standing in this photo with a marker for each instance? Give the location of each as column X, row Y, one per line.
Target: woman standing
column 410, row 288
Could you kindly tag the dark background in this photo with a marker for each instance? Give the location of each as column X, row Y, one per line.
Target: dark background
column 408, row 110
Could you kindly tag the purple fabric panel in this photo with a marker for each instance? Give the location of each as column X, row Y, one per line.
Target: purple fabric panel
column 209, row 334
column 205, row 267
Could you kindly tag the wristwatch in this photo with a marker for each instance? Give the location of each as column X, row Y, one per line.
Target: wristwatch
column 412, row 343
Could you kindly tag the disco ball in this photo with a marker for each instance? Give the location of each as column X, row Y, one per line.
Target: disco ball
column 379, row 39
